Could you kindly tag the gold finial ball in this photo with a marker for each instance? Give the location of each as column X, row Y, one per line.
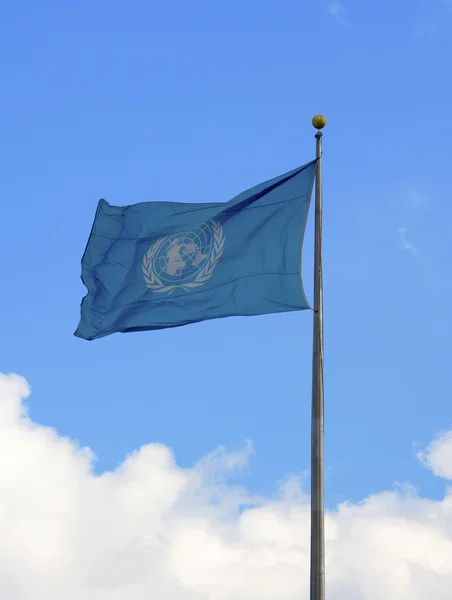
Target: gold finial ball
column 319, row 121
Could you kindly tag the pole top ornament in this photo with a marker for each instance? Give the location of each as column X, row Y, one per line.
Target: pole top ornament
column 319, row 122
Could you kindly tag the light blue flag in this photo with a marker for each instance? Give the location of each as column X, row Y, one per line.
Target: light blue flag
column 165, row 264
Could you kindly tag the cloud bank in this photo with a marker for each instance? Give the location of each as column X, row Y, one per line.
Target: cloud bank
column 151, row 529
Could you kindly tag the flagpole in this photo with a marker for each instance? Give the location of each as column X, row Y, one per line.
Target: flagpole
column 317, row 583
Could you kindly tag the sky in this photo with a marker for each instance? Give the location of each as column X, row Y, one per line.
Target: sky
column 176, row 463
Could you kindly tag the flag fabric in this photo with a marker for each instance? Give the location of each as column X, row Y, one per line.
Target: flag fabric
column 154, row 265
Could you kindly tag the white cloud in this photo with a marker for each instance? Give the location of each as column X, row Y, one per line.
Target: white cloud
column 438, row 455
column 415, row 197
column 336, row 10
column 424, row 30
column 404, row 243
column 151, row 529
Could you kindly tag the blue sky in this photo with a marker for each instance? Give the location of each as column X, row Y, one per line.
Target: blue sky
column 196, row 101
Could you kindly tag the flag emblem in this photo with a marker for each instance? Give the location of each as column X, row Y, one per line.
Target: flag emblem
column 184, row 260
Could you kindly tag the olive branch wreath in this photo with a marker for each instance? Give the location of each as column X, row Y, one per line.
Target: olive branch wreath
column 153, row 281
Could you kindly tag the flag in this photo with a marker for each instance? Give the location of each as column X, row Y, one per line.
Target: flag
column 154, row 265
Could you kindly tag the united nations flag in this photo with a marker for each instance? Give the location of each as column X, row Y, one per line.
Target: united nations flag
column 164, row 264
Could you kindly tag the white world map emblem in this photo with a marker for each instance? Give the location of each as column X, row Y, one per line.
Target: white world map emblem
column 184, row 260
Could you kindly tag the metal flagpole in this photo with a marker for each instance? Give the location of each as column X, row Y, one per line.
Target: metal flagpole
column 317, row 585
